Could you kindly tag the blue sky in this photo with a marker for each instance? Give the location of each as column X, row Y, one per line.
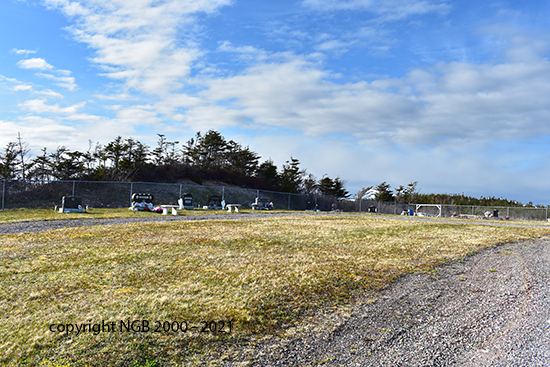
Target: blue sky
column 452, row 94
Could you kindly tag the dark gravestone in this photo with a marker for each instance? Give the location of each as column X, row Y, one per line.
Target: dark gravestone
column 214, row 202
column 187, row 201
column 71, row 204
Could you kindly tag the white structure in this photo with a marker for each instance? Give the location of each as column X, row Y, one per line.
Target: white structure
column 438, row 206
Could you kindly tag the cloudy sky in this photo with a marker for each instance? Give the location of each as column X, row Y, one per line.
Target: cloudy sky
column 452, row 94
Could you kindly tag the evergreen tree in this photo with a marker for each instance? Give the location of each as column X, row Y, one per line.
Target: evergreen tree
column 292, row 176
column 310, row 185
column 333, row 187
column 241, row 160
column 208, row 151
column 165, row 153
column 213, row 148
column 383, row 192
column 41, row 167
column 268, row 173
column 134, row 154
column 66, row 165
column 9, row 161
column 400, row 194
column 338, row 188
column 410, row 193
column 115, row 151
column 326, row 185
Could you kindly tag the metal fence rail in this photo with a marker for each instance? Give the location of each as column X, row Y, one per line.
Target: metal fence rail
column 114, row 194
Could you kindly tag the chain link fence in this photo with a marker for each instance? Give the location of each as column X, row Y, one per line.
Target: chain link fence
column 109, row 194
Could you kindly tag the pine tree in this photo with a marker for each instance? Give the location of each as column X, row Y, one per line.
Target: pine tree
column 384, row 192
column 268, row 173
column 8, row 161
column 292, row 176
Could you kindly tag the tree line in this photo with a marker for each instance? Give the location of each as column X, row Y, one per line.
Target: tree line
column 410, row 194
column 208, row 156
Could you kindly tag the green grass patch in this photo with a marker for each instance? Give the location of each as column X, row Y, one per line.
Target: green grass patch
column 260, row 274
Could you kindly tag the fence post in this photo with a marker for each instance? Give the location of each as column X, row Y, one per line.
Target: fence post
column 131, row 192
column 181, row 188
column 316, row 202
column 223, row 192
column 395, row 208
column 3, row 192
column 74, row 183
column 289, row 201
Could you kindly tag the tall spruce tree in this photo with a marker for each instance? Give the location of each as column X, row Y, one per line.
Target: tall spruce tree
column 292, row 176
column 384, row 192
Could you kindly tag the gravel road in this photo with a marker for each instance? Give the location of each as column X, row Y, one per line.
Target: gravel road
column 492, row 309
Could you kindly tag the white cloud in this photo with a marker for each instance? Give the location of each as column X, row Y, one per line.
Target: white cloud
column 247, row 53
column 51, row 133
column 61, row 77
column 38, row 132
column 450, row 102
column 388, row 10
column 63, row 81
column 22, row 87
column 34, row 63
column 18, row 86
column 22, row 52
column 147, row 45
column 116, row 97
column 49, row 93
column 295, row 96
column 40, row 106
column 215, row 117
column 10, row 80
column 333, row 46
column 137, row 115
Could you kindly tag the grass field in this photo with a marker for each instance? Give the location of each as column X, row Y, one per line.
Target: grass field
column 253, row 276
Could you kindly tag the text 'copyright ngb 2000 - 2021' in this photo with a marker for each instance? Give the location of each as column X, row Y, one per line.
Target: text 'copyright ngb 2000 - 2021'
column 143, row 326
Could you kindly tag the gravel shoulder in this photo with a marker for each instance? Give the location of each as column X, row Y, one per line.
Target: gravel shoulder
column 491, row 309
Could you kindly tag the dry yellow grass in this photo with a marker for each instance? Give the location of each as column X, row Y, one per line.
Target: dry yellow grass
column 260, row 274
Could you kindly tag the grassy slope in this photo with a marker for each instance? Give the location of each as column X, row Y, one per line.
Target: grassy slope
column 262, row 274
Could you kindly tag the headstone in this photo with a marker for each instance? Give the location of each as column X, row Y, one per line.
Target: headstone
column 142, row 202
column 214, row 202
column 71, row 204
column 187, row 201
column 260, row 203
column 137, row 198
